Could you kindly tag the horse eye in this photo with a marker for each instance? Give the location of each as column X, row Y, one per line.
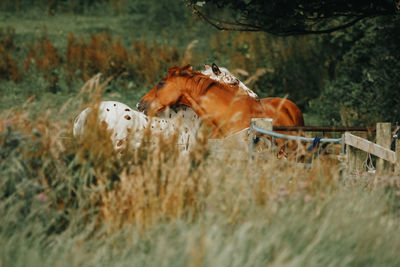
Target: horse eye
column 160, row 84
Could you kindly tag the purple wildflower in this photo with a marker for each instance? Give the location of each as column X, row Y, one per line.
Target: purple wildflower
column 42, row 197
column 7, row 123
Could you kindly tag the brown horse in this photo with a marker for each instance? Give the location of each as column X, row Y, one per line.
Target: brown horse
column 223, row 75
column 219, row 105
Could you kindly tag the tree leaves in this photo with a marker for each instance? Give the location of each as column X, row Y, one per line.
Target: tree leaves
column 290, row 17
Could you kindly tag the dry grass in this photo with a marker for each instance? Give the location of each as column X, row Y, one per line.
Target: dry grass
column 159, row 182
column 158, row 206
column 143, row 62
column 8, row 65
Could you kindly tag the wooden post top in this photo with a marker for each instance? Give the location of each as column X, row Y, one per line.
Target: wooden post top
column 264, row 123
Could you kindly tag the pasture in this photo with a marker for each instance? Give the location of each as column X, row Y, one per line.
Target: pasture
column 76, row 202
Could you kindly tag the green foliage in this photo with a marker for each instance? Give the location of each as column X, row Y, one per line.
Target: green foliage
column 57, row 6
column 364, row 90
column 289, row 17
column 287, row 63
column 163, row 14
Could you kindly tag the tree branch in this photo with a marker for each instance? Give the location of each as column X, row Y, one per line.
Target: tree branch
column 304, row 29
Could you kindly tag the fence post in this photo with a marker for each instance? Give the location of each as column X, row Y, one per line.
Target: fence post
column 383, row 138
column 355, row 160
column 263, row 123
column 397, row 165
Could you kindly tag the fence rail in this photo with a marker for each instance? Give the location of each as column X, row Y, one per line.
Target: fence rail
column 370, row 147
column 326, row 129
column 265, row 126
column 294, row 137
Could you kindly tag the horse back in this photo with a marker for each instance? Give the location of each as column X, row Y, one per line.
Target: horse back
column 288, row 112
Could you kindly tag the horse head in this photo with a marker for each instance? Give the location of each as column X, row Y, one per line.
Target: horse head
column 220, row 74
column 168, row 92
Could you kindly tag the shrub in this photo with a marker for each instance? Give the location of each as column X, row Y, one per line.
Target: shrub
column 363, row 91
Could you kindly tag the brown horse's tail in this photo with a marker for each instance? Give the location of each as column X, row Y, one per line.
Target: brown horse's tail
column 293, row 112
column 296, row 115
column 289, row 115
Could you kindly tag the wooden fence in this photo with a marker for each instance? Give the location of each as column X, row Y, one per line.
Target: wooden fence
column 358, row 149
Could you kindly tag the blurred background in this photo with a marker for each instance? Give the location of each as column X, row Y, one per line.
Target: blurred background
column 48, row 48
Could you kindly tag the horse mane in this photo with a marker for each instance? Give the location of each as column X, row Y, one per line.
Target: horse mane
column 201, row 83
column 204, row 83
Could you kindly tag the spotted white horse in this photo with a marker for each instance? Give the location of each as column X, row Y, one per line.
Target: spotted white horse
column 223, row 75
column 126, row 123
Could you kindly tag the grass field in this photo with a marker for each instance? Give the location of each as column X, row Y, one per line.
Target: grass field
column 69, row 203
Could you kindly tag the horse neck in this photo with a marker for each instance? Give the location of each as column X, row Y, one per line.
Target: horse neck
column 193, row 86
column 199, row 86
column 218, row 93
column 224, row 110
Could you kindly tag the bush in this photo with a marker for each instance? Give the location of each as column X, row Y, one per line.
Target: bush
column 363, row 91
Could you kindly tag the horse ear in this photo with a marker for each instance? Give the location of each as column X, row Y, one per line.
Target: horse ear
column 173, row 71
column 187, row 67
column 186, row 70
column 215, row 69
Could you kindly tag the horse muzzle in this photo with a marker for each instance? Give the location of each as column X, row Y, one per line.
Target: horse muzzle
column 149, row 108
column 142, row 106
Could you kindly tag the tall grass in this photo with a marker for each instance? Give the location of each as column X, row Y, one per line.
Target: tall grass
column 78, row 202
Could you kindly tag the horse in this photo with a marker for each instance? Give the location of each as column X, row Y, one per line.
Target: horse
column 282, row 105
column 219, row 105
column 120, row 119
column 124, row 123
column 221, row 74
column 187, row 115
